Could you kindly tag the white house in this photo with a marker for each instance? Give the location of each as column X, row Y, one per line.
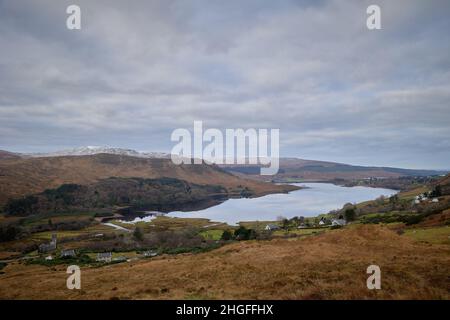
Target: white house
column 338, row 222
column 435, row 200
column 104, row 256
column 68, row 253
column 271, row 227
column 150, row 253
column 47, row 247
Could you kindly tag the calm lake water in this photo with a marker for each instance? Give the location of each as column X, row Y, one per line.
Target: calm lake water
column 317, row 198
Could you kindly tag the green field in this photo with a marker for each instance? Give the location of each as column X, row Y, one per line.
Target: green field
column 437, row 235
column 300, row 232
column 212, row 234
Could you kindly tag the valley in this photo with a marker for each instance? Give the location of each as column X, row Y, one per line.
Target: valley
column 85, row 210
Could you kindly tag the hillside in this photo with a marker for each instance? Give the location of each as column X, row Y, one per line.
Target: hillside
column 25, row 176
column 162, row 194
column 312, row 170
column 91, row 150
column 331, row 265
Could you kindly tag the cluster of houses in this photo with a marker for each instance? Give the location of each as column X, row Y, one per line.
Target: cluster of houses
column 423, row 198
column 340, row 221
column 108, row 257
column 51, row 247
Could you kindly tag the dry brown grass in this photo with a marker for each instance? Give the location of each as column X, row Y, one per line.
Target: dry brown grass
column 33, row 175
column 327, row 266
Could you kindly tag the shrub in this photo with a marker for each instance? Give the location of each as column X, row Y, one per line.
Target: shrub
column 137, row 234
column 9, row 233
column 242, row 233
column 227, row 235
column 22, row 206
column 350, row 214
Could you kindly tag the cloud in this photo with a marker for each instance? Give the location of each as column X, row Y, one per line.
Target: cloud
column 136, row 71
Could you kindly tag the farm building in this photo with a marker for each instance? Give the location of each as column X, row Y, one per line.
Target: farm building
column 104, row 256
column 271, row 227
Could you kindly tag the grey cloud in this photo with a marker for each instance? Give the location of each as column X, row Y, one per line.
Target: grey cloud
column 137, row 70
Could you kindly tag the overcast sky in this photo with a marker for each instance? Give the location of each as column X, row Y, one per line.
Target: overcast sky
column 137, row 70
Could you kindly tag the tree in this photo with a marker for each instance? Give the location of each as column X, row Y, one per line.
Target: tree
column 350, row 214
column 8, row 233
column 242, row 233
column 295, row 221
column 393, row 199
column 137, row 234
column 436, row 192
column 226, row 235
column 285, row 224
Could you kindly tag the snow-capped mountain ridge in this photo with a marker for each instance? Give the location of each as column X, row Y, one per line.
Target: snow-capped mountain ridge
column 91, row 150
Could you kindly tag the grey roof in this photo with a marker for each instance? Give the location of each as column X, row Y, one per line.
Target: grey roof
column 104, row 255
column 341, row 222
column 45, row 247
column 68, row 253
column 150, row 253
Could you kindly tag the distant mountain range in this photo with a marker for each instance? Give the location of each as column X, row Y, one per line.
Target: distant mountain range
column 23, row 175
column 294, row 169
column 291, row 169
column 90, row 150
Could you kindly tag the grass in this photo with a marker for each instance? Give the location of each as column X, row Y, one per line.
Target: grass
column 212, row 234
column 57, row 217
column 257, row 225
column 331, row 265
column 93, row 229
column 300, row 232
column 411, row 194
column 80, row 260
column 437, row 235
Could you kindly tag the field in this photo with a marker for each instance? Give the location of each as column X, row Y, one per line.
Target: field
column 330, row 265
column 437, row 235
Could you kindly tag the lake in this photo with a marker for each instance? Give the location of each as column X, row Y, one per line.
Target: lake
column 317, row 198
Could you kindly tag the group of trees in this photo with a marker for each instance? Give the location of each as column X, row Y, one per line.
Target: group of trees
column 436, row 192
column 21, row 207
column 162, row 194
column 294, row 222
column 241, row 233
column 9, row 232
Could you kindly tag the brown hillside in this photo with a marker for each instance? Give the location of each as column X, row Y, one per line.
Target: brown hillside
column 23, row 176
column 4, row 155
column 328, row 266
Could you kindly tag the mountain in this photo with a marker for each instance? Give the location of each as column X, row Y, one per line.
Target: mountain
column 31, row 175
column 91, row 150
column 290, row 168
column 5, row 155
column 312, row 170
column 131, row 194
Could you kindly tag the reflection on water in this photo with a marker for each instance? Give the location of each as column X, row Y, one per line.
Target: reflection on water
column 317, row 198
